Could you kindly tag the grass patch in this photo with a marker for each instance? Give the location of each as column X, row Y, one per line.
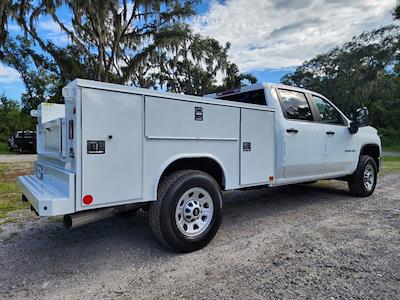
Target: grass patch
column 391, row 164
column 4, row 148
column 391, row 148
column 10, row 196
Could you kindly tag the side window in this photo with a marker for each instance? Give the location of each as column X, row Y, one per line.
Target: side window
column 327, row 112
column 295, row 105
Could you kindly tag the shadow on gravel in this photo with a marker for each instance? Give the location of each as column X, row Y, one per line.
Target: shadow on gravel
column 47, row 249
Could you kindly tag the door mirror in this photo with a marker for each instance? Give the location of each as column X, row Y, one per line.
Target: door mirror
column 360, row 119
column 361, row 116
column 353, row 127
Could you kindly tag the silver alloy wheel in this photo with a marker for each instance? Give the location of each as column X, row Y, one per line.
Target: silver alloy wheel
column 194, row 212
column 369, row 177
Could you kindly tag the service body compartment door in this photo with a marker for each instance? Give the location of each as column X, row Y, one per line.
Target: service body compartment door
column 257, row 153
column 112, row 137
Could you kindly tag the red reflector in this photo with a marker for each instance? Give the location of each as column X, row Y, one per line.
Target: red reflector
column 87, row 199
column 271, row 178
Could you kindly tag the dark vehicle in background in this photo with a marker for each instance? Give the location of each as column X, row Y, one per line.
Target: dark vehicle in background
column 23, row 141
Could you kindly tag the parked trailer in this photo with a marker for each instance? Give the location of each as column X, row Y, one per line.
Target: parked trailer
column 114, row 148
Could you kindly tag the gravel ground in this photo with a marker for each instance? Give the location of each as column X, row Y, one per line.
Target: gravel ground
column 13, row 158
column 304, row 241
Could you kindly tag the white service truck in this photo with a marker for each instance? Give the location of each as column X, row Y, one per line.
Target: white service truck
column 113, row 148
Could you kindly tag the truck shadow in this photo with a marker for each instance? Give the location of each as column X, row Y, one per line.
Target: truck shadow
column 47, row 249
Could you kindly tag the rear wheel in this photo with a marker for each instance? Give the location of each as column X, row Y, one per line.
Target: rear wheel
column 363, row 181
column 188, row 211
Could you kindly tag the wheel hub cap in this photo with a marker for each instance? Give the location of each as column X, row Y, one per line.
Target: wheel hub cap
column 194, row 212
column 369, row 177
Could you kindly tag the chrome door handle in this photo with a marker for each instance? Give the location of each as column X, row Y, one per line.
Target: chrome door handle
column 292, row 130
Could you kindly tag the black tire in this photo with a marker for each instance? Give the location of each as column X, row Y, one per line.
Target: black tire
column 356, row 180
column 162, row 212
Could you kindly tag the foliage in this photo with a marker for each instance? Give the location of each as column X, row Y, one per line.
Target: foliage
column 144, row 43
column 4, row 148
column 396, row 12
column 390, row 139
column 193, row 66
column 390, row 164
column 12, row 118
column 363, row 72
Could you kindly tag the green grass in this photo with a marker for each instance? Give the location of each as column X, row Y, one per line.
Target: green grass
column 10, row 196
column 392, row 148
column 4, row 148
column 391, row 164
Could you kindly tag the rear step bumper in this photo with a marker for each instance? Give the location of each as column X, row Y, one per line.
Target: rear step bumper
column 49, row 199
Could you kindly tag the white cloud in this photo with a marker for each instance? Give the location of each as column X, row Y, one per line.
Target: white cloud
column 284, row 33
column 50, row 26
column 8, row 75
column 52, row 31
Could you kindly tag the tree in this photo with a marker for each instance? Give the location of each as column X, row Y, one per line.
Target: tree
column 193, row 67
column 235, row 79
column 41, row 77
column 110, row 35
column 396, row 12
column 349, row 74
column 12, row 119
column 144, row 43
column 363, row 72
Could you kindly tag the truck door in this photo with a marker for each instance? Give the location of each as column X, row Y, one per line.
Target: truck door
column 303, row 139
column 112, row 134
column 340, row 145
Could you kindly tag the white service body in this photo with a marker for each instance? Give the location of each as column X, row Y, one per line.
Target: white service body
column 115, row 142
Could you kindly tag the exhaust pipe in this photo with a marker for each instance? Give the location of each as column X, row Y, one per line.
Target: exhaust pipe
column 85, row 217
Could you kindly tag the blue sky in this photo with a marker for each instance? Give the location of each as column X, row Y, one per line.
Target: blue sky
column 269, row 38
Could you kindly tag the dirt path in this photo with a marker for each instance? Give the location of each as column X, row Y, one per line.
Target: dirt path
column 13, row 158
column 305, row 241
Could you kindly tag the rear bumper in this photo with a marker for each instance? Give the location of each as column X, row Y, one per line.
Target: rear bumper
column 51, row 196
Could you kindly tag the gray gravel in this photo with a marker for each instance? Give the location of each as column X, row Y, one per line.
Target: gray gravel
column 13, row 158
column 303, row 241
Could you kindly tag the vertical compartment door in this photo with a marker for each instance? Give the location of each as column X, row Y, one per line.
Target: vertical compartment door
column 112, row 137
column 257, row 146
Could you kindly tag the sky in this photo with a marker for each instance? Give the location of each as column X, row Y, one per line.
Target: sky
column 269, row 38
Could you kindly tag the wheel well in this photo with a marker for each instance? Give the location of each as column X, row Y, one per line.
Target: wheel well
column 204, row 164
column 373, row 151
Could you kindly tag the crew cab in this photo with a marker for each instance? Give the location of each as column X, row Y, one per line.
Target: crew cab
column 114, row 148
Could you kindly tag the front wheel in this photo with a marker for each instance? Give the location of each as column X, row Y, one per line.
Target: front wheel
column 188, row 211
column 363, row 181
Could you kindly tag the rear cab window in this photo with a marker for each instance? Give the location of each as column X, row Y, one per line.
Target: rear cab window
column 295, row 105
column 251, row 97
